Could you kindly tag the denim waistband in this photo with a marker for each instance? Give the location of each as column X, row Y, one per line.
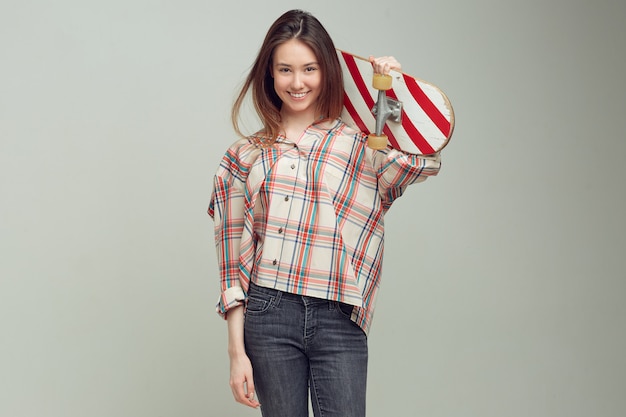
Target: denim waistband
column 287, row 296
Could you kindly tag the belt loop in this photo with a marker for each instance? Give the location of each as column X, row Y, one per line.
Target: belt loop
column 279, row 295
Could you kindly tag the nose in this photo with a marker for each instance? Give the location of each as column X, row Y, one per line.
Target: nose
column 296, row 82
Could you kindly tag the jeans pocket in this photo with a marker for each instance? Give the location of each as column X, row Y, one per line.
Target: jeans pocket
column 344, row 309
column 258, row 305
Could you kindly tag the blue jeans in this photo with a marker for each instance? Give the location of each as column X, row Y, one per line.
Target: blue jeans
column 296, row 343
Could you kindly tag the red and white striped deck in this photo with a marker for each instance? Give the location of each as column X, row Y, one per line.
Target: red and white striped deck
column 427, row 116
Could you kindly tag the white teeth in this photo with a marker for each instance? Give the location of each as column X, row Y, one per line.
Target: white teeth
column 299, row 95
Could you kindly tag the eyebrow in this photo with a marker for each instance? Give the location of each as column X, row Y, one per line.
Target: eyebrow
column 280, row 64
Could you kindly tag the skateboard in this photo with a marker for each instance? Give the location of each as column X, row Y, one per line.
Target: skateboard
column 410, row 114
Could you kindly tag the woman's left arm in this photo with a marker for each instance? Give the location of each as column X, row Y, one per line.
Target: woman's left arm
column 396, row 170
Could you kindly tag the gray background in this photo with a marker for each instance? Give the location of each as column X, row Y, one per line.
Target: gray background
column 503, row 290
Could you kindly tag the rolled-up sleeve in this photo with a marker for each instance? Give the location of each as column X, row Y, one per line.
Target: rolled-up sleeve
column 226, row 208
column 397, row 170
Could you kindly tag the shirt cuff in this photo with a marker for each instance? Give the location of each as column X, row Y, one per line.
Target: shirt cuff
column 232, row 297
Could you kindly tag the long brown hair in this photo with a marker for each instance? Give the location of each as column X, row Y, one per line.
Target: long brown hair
column 301, row 25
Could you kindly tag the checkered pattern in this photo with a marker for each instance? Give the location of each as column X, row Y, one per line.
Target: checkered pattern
column 306, row 217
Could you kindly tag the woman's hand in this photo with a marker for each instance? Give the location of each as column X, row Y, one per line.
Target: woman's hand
column 241, row 380
column 384, row 64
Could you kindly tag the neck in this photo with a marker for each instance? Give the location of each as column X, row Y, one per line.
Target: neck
column 294, row 125
column 298, row 118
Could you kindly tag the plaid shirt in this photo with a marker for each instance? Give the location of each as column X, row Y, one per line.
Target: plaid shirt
column 307, row 217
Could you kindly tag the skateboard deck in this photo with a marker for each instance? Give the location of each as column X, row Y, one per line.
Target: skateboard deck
column 427, row 118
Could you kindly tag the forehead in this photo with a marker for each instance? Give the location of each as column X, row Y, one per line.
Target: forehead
column 294, row 52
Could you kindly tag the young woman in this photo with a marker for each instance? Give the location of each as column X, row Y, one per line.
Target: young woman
column 298, row 210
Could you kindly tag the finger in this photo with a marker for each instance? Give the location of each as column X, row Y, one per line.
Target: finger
column 243, row 395
column 251, row 401
column 389, row 63
column 238, row 391
column 384, row 64
column 375, row 64
column 250, row 388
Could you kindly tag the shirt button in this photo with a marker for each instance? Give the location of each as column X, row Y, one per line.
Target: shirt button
column 293, row 166
column 280, row 230
column 274, row 262
column 286, row 198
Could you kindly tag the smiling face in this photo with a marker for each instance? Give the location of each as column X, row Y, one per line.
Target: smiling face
column 297, row 80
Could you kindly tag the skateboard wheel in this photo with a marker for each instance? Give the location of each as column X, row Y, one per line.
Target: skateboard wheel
column 382, row 82
column 377, row 142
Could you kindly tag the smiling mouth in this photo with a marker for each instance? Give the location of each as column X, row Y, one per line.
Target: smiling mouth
column 298, row 95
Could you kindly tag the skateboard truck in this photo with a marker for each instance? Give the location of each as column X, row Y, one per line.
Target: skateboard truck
column 385, row 108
